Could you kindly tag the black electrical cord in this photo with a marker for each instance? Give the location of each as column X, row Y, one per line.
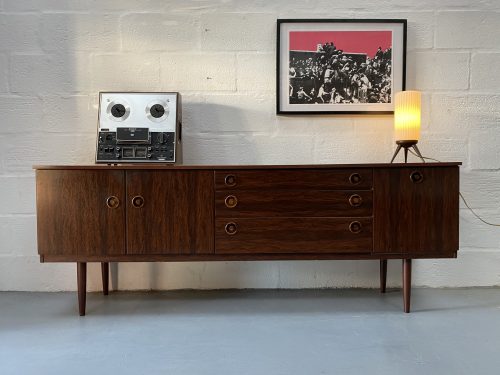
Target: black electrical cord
column 461, row 196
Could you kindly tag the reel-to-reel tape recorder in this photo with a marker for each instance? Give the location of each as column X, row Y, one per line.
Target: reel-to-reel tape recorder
column 139, row 128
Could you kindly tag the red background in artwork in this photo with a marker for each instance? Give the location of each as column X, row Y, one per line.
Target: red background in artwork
column 348, row 41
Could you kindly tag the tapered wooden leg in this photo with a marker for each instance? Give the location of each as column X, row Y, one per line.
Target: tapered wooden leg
column 105, row 277
column 396, row 153
column 383, row 274
column 406, row 284
column 81, row 274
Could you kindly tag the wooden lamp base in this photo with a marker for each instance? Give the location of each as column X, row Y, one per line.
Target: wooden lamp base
column 406, row 145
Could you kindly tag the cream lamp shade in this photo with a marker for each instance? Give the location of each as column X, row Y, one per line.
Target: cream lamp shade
column 407, row 115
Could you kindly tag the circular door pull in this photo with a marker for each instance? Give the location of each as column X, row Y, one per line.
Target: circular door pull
column 231, row 228
column 355, row 178
column 112, row 202
column 416, row 177
column 230, row 180
column 231, row 201
column 355, row 200
column 355, row 227
column 138, row 201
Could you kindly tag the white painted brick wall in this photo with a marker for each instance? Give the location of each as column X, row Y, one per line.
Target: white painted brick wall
column 198, row 72
column 21, row 232
column 19, row 32
column 420, row 23
column 484, row 150
column 4, row 71
column 45, row 5
column 160, row 32
column 78, row 110
column 467, row 29
column 80, row 32
column 256, row 72
column 13, row 120
column 480, row 188
column 238, row 32
column 223, row 113
column 48, row 74
column 125, row 72
column 450, row 72
column 18, row 197
column 56, row 55
column 456, row 113
column 483, row 67
column 45, row 148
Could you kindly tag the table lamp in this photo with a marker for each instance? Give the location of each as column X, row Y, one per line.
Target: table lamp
column 407, row 122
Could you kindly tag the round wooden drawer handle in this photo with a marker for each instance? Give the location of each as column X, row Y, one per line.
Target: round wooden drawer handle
column 112, row 202
column 355, row 227
column 138, row 201
column 231, row 228
column 355, row 200
column 231, row 201
column 416, row 177
column 230, row 180
column 355, row 178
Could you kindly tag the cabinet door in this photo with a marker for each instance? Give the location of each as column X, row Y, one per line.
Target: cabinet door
column 170, row 212
column 416, row 210
column 80, row 212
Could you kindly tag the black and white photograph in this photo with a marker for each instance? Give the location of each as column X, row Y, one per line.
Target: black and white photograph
column 332, row 66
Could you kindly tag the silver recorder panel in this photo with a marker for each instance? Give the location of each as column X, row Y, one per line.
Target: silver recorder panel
column 139, row 127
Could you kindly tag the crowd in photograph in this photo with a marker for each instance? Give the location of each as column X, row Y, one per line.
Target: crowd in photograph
column 332, row 76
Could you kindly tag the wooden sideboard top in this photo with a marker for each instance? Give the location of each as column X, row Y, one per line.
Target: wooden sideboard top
column 222, row 167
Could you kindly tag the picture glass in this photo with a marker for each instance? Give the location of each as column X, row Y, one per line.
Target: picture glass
column 329, row 67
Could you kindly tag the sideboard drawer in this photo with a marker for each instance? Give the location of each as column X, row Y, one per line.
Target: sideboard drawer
column 359, row 178
column 293, row 203
column 293, row 235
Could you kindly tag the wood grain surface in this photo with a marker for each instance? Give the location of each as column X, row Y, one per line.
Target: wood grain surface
column 235, row 257
column 293, row 203
column 177, row 166
column 323, row 179
column 72, row 215
column 293, row 235
column 414, row 217
column 177, row 216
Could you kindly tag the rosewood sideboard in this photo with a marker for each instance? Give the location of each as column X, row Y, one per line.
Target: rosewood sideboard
column 151, row 213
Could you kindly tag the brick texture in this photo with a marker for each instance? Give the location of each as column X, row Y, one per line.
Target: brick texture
column 55, row 56
column 467, row 29
column 19, row 32
column 198, row 72
column 80, row 32
column 159, row 32
column 483, row 67
column 4, row 77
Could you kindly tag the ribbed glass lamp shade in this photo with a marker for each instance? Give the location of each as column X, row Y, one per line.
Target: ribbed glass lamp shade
column 407, row 115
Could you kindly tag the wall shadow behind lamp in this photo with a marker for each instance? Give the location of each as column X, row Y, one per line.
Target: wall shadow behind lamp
column 407, row 115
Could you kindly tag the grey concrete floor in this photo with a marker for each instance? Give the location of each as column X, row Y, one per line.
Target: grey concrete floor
column 306, row 332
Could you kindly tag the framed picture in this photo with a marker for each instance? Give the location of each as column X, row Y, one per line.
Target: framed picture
column 339, row 66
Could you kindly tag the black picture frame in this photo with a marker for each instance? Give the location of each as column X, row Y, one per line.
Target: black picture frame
column 287, row 105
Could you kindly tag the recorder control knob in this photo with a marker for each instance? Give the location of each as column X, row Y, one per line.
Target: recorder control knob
column 161, row 138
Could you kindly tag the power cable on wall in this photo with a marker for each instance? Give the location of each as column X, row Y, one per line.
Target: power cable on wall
column 461, row 196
